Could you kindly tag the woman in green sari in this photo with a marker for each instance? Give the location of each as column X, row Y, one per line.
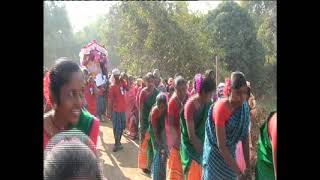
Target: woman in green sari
column 192, row 125
column 146, row 100
column 267, row 150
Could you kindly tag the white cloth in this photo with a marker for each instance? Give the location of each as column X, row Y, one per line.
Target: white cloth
column 115, row 72
column 100, row 80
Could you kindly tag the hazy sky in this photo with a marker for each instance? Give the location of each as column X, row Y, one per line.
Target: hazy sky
column 82, row 13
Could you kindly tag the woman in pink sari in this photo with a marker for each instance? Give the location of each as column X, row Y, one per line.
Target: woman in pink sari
column 140, row 86
column 131, row 111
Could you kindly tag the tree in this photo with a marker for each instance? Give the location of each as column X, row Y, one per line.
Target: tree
column 58, row 36
column 163, row 35
column 232, row 37
column 142, row 36
column 264, row 14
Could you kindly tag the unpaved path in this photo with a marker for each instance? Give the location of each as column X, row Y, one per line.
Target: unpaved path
column 120, row 165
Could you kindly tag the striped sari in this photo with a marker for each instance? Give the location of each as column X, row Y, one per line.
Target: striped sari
column 145, row 155
column 158, row 164
column 190, row 159
column 237, row 128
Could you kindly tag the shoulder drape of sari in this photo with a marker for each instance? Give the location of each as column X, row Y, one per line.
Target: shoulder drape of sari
column 187, row 151
column 160, row 127
column 237, row 128
column 147, row 105
column 85, row 122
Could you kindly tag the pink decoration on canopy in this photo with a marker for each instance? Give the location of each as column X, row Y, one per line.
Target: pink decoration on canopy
column 95, row 58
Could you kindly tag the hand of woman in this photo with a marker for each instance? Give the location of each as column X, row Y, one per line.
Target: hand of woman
column 109, row 116
column 245, row 176
column 247, row 173
column 163, row 154
column 176, row 145
column 142, row 132
column 241, row 177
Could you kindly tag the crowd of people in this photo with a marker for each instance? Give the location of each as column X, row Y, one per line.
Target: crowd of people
column 187, row 129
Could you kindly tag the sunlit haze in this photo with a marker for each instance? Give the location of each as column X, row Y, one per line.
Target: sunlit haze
column 81, row 13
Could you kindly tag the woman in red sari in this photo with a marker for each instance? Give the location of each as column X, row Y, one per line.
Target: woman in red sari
column 90, row 94
column 172, row 125
column 140, row 86
column 131, row 110
column 146, row 100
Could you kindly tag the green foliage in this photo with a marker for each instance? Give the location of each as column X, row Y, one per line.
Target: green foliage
column 264, row 14
column 232, row 37
column 58, row 36
column 148, row 35
column 144, row 35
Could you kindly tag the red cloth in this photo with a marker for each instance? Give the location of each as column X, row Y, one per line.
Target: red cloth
column 154, row 117
column 45, row 138
column 130, row 97
column 117, row 99
column 138, row 96
column 46, row 90
column 190, row 108
column 173, row 111
column 143, row 96
column 95, row 131
column 272, row 129
column 100, row 91
column 131, row 111
column 93, row 134
column 240, row 157
column 227, row 87
column 90, row 98
column 221, row 113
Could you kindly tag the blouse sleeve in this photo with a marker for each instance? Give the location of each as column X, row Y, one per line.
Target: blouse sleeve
column 95, row 131
column 221, row 114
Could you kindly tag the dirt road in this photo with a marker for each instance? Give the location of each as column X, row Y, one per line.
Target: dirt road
column 120, row 165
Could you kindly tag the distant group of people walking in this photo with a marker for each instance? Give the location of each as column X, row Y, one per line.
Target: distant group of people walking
column 186, row 129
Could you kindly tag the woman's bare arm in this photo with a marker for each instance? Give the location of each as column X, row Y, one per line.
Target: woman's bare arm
column 246, row 152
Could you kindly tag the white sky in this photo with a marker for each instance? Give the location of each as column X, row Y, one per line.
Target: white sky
column 81, row 13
